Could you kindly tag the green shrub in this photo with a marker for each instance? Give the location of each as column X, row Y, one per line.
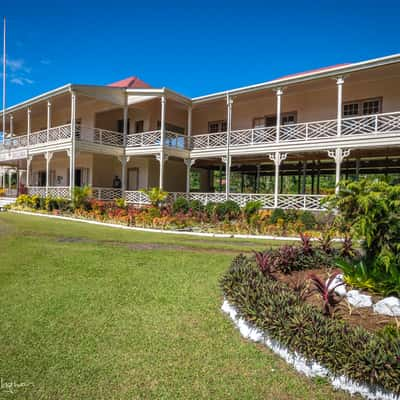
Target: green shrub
column 229, row 209
column 156, row 196
column 307, row 218
column 371, row 208
column 120, row 203
column 277, row 214
column 196, row 205
column 276, row 309
column 80, row 196
column 210, row 208
column 251, row 208
column 181, row 205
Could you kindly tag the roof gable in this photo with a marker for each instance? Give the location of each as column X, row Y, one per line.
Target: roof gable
column 132, row 82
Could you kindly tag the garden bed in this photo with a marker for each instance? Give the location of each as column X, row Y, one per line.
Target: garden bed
column 358, row 353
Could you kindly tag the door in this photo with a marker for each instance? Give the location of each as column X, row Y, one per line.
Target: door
column 133, row 179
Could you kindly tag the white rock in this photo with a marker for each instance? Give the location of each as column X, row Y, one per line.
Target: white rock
column 388, row 306
column 356, row 299
column 341, row 289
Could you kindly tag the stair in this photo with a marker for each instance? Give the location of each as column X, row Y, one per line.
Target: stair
column 5, row 201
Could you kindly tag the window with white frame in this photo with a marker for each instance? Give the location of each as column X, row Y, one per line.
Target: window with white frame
column 362, row 107
column 217, row 126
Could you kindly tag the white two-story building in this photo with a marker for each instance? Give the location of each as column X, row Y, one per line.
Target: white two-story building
column 286, row 142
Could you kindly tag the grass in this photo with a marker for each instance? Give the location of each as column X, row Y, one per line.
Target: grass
column 91, row 312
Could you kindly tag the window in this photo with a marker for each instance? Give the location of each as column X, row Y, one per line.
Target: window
column 139, row 126
column 371, row 107
column 120, row 126
column 270, row 120
column 350, row 109
column 217, row 126
column 362, row 107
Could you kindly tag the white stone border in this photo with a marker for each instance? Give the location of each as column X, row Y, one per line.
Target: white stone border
column 302, row 365
column 172, row 232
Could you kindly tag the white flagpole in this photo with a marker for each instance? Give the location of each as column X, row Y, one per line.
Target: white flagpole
column 4, row 82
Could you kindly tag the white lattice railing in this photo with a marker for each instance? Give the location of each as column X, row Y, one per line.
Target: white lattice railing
column 57, row 133
column 106, row 194
column 15, row 142
column 10, row 192
column 99, row 136
column 371, row 124
column 176, row 140
column 37, row 191
column 300, row 201
column 144, row 139
column 286, row 201
column 58, row 191
column 209, row 140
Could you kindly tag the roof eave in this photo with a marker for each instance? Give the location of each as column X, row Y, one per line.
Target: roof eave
column 341, row 70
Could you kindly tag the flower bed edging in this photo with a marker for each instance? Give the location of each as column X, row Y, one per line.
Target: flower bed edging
column 302, row 365
column 173, row 232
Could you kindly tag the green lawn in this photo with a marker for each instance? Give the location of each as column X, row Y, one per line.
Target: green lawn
column 90, row 312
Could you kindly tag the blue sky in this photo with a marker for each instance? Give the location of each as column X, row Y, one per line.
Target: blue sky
column 194, row 48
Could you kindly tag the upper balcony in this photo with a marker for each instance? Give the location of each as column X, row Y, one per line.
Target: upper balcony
column 372, row 129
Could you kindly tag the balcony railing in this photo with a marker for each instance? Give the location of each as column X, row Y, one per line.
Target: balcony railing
column 377, row 124
column 153, row 139
column 106, row 194
column 99, row 136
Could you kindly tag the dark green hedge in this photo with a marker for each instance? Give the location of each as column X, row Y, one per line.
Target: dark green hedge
column 277, row 310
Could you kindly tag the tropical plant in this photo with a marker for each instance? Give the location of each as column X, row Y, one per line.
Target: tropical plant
column 264, row 262
column 347, row 250
column 371, row 207
column 306, row 244
column 277, row 214
column 327, row 292
column 251, row 208
column 121, row 203
column 156, row 196
column 180, row 205
column 308, row 219
column 325, row 242
column 80, row 196
column 228, row 209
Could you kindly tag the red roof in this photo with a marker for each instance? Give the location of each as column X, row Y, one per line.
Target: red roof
column 132, row 82
column 311, row 71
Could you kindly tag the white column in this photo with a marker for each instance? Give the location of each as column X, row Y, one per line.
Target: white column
column 72, row 151
column 124, row 160
column 338, row 155
column 339, row 83
column 228, row 158
column 48, row 156
column 277, row 158
column 9, row 179
column 188, row 162
column 28, row 170
column 279, row 93
column 162, row 158
column 48, row 119
column 11, row 125
column 28, row 125
column 189, row 125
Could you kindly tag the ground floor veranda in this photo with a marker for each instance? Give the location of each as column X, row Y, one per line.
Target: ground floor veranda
column 277, row 180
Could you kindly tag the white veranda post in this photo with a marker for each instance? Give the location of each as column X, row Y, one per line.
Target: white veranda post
column 277, row 158
column 189, row 125
column 28, row 171
column 48, row 156
column 162, row 156
column 48, row 119
column 338, row 155
column 11, row 125
column 279, row 93
column 71, row 153
column 188, row 162
column 339, row 82
column 124, row 159
column 228, row 159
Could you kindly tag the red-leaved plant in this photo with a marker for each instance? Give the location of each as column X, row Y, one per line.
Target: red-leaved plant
column 327, row 292
column 264, row 262
column 306, row 244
